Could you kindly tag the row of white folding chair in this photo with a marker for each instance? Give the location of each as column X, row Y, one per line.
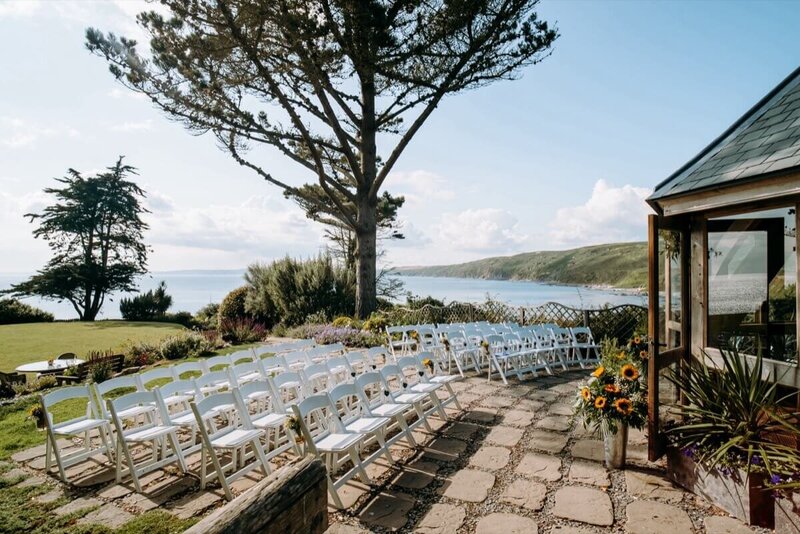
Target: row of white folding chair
column 278, row 348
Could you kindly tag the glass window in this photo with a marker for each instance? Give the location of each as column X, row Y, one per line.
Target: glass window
column 752, row 270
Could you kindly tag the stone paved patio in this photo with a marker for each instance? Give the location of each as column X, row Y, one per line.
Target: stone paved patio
column 515, row 463
column 511, row 462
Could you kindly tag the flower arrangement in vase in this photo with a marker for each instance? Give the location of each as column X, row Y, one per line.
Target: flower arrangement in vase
column 614, row 398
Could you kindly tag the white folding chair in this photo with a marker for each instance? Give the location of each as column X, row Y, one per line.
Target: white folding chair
column 355, row 418
column 358, row 362
column 247, row 372
column 379, row 356
column 296, row 360
column 413, row 375
column 267, row 414
column 375, row 401
column 273, row 365
column 583, row 343
column 562, row 346
column 217, row 363
column 460, row 352
column 153, row 431
column 394, row 382
column 79, row 426
column 157, row 376
column 503, row 359
column 187, row 370
column 234, row 436
column 399, row 340
column 240, row 356
column 214, row 381
column 325, row 437
column 288, row 387
column 437, row 375
column 121, row 385
column 179, row 393
column 316, row 378
column 340, row 370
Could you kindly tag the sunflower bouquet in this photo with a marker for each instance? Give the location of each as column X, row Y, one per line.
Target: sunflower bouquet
column 616, row 392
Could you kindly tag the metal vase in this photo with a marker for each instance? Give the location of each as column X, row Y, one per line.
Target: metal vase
column 615, row 446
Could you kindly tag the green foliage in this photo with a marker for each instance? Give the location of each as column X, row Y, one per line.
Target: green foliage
column 730, row 414
column 233, row 305
column 184, row 345
column 99, row 371
column 41, row 383
column 616, row 393
column 242, row 330
column 295, row 290
column 370, row 74
column 376, row 323
column 141, row 353
column 13, row 311
column 416, row 302
column 95, row 232
column 619, row 265
column 207, row 317
column 147, row 306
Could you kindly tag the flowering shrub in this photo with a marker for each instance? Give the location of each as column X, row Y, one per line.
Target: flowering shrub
column 325, row 334
column 140, row 354
column 376, row 323
column 242, row 330
column 617, row 391
column 183, row 345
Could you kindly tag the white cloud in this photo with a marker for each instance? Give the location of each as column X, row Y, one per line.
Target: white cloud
column 487, row 230
column 611, row 214
column 119, row 93
column 19, row 133
column 140, row 126
column 420, row 187
column 19, row 8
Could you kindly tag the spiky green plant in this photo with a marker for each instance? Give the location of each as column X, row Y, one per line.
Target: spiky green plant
column 729, row 414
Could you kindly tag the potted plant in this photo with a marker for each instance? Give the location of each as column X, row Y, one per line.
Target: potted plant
column 723, row 446
column 615, row 397
column 37, row 414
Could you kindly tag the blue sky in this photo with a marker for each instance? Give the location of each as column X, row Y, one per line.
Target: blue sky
column 559, row 158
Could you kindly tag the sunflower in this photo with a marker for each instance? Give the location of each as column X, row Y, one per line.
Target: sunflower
column 599, row 372
column 600, row 403
column 629, row 372
column 611, row 388
column 643, row 355
column 586, row 394
column 624, row 406
column 637, row 340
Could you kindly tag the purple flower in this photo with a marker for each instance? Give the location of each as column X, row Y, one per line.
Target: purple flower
column 689, row 451
column 775, row 479
column 755, row 459
column 727, row 471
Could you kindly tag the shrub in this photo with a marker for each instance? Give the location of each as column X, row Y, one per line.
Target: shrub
column 293, row 291
column 417, row 302
column 182, row 318
column 213, row 339
column 13, row 311
column 342, row 321
column 100, row 371
column 242, row 330
column 327, row 334
column 232, row 306
column 376, row 323
column 140, row 354
column 41, row 383
column 183, row 345
column 147, row 306
column 207, row 317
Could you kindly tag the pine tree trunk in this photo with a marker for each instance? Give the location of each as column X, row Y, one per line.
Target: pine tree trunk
column 366, row 256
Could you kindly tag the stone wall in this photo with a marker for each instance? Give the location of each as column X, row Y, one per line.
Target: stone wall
column 292, row 500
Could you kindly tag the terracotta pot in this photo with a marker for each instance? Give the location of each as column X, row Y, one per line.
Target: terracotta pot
column 744, row 496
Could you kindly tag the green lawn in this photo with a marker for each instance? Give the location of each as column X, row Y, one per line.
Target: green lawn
column 24, row 343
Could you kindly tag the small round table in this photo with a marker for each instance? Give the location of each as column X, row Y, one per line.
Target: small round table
column 45, row 367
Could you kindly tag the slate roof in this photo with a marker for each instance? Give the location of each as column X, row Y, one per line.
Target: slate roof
column 765, row 141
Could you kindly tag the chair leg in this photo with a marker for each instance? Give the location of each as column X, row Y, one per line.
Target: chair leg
column 362, row 473
column 265, row 468
column 403, row 424
column 337, row 501
column 221, row 475
column 421, row 415
column 176, row 448
column 379, row 436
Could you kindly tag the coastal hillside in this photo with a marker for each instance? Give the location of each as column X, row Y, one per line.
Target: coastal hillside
column 622, row 265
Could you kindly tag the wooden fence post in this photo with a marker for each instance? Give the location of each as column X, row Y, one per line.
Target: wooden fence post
column 586, row 320
column 522, row 316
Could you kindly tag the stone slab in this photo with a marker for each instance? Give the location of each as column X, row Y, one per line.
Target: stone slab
column 506, row 524
column 540, row 466
column 416, row 475
column 525, row 493
column 468, row 485
column 556, row 423
column 81, row 503
column 548, row 441
column 517, row 418
column 196, row 503
column 588, row 449
column 565, row 410
column 529, row 405
column 107, row 515
column 652, row 517
column 461, row 430
column 497, row 401
column 717, row 524
column 481, row 415
column 585, row 505
column 389, row 510
column 648, row 486
column 506, row 436
column 444, row 449
column 489, row 457
column 441, row 519
column 588, row 473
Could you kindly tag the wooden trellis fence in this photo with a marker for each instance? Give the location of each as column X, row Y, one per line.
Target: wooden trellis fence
column 620, row 322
